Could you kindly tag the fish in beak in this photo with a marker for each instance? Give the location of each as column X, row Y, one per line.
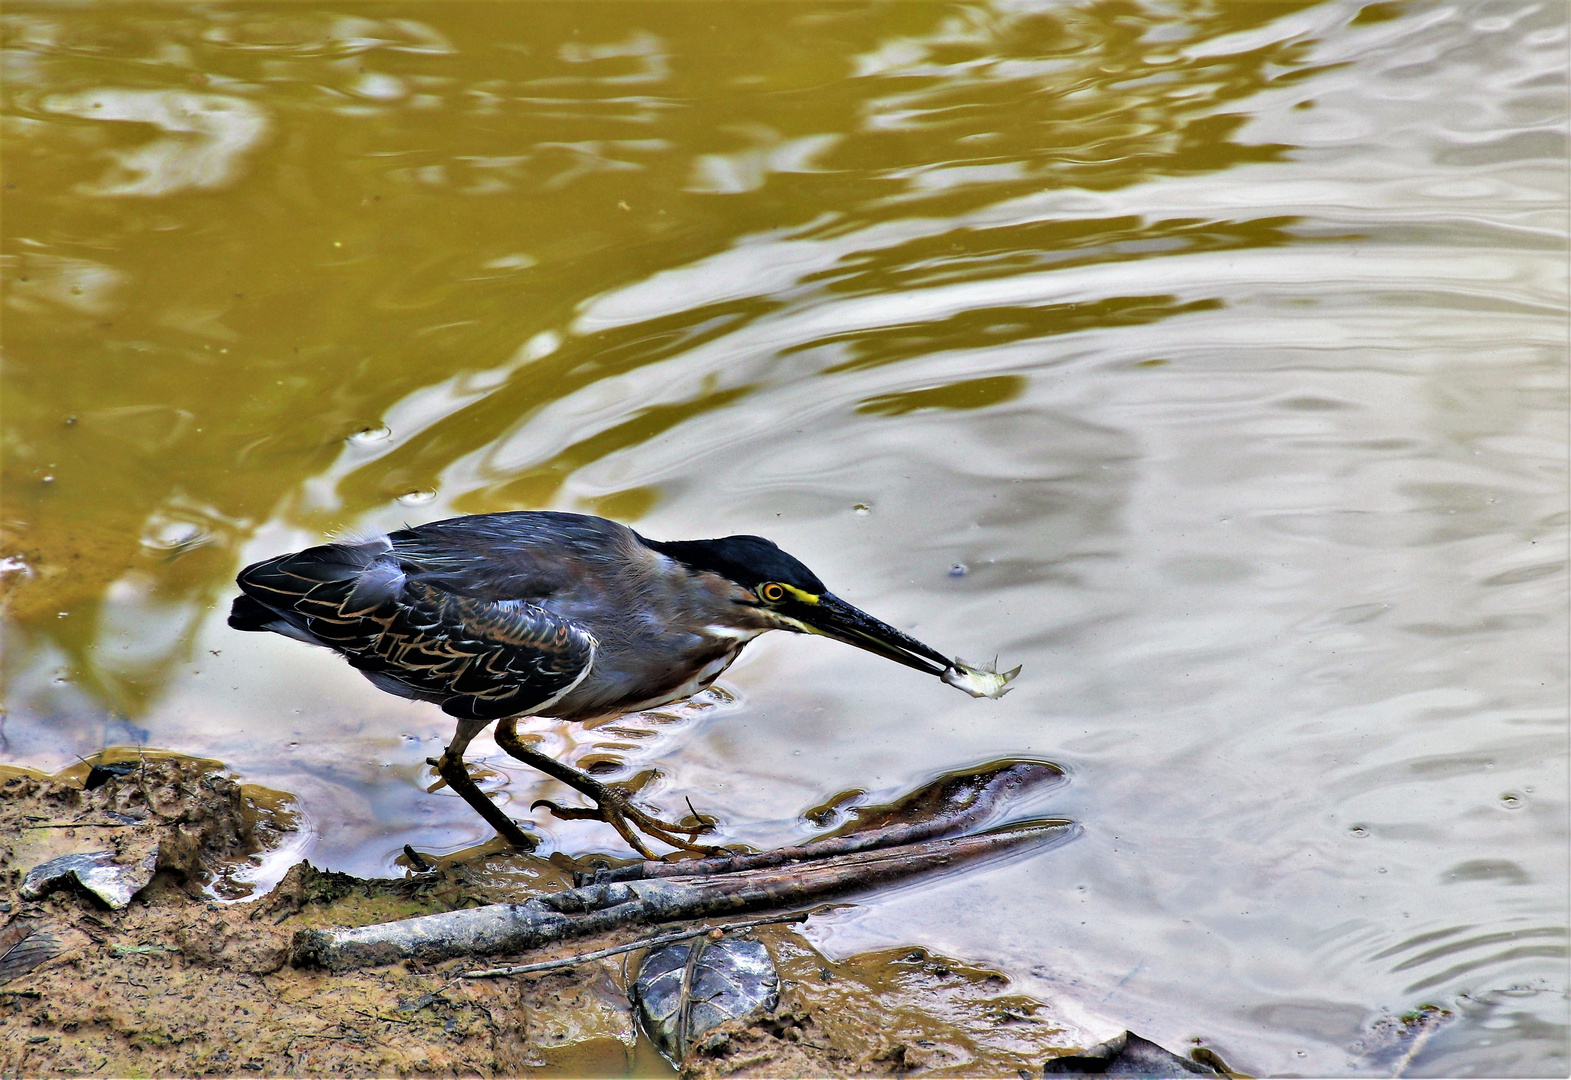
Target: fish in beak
column 833, row 617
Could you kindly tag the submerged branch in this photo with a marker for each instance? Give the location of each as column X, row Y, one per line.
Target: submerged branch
column 955, row 803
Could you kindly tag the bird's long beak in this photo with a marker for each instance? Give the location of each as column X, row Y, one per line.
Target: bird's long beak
column 835, row 618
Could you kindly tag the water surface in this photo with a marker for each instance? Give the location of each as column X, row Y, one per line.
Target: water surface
column 1207, row 359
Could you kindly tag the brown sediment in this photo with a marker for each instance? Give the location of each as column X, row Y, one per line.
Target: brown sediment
column 182, row 814
column 182, row 984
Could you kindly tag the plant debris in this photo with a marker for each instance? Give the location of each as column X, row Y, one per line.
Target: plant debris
column 1127, row 1054
column 594, row 909
column 686, row 990
column 23, row 947
column 95, row 871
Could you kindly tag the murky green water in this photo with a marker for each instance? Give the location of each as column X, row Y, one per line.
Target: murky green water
column 1207, row 359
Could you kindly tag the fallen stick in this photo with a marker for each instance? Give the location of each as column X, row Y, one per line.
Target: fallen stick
column 595, row 909
column 653, row 942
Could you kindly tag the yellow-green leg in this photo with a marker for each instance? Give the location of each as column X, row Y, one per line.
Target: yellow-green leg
column 612, row 805
column 451, row 768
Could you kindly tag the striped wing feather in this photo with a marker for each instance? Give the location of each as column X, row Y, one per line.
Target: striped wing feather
column 480, row 658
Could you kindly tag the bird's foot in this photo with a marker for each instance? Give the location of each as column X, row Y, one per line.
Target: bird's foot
column 455, row 774
column 613, row 807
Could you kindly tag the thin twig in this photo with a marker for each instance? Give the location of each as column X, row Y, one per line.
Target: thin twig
column 633, row 946
column 1418, row 1043
column 684, row 1000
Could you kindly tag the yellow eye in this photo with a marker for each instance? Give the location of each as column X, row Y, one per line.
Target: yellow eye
column 772, row 593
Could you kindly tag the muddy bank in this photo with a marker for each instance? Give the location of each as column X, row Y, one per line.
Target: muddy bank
column 185, row 981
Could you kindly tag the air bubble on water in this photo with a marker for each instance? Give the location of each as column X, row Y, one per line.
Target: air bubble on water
column 960, row 569
column 371, row 434
column 173, row 534
column 1512, row 801
column 1358, row 832
column 861, row 509
column 415, row 498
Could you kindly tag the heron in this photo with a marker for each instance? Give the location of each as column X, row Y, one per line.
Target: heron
column 501, row 616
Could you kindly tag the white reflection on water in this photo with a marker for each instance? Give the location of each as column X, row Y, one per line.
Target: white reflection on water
column 204, row 142
column 1290, row 603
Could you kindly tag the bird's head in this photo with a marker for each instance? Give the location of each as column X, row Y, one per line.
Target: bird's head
column 777, row 590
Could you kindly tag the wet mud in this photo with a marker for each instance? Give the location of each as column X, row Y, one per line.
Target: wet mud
column 194, row 978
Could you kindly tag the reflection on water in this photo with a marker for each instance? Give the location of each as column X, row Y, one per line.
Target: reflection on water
column 206, row 136
column 1208, row 361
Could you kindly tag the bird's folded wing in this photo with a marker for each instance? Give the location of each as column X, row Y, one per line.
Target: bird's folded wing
column 481, row 659
column 487, row 658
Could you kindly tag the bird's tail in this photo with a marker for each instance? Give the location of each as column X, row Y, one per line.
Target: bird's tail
column 247, row 614
column 325, row 582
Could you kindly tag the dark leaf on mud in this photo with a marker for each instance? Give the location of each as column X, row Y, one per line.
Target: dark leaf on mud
column 99, row 775
column 23, row 947
column 1126, row 1055
column 686, row 989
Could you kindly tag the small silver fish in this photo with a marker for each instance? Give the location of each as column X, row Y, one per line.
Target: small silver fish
column 979, row 680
